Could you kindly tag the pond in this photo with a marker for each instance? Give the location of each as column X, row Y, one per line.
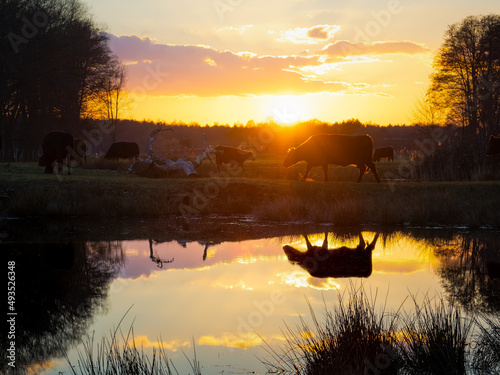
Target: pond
column 223, row 299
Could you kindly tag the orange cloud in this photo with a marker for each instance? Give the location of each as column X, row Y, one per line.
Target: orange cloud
column 196, row 70
column 231, row 340
column 345, row 48
column 172, row 345
column 175, row 70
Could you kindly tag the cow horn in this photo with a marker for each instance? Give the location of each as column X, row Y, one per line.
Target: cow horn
column 362, row 243
column 371, row 246
column 309, row 246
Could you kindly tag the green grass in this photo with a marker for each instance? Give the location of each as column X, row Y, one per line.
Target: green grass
column 264, row 189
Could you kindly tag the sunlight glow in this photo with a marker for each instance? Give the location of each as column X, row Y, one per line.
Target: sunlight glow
column 287, row 109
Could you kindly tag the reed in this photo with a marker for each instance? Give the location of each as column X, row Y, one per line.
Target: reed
column 117, row 354
column 435, row 340
column 353, row 339
column 486, row 358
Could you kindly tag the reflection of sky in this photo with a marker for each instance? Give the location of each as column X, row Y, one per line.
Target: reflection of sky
column 242, row 288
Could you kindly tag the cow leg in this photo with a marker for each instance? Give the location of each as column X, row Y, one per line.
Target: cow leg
column 374, row 170
column 325, row 169
column 307, row 172
column 68, row 160
column 325, row 242
column 362, row 170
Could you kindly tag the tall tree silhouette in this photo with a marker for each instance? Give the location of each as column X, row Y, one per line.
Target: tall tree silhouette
column 466, row 80
column 52, row 59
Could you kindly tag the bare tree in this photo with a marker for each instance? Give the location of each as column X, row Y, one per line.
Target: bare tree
column 466, row 81
column 110, row 98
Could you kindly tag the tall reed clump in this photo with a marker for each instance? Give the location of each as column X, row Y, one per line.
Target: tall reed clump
column 120, row 356
column 486, row 358
column 352, row 340
column 435, row 340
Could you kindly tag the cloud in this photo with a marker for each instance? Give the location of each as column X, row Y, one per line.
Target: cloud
column 309, row 35
column 175, row 70
column 196, row 70
column 237, row 30
column 231, row 340
column 345, row 48
column 172, row 345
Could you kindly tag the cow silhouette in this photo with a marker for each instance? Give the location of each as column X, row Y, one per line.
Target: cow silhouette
column 322, row 149
column 344, row 261
column 384, row 152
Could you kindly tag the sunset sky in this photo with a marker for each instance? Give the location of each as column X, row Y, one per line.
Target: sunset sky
column 230, row 61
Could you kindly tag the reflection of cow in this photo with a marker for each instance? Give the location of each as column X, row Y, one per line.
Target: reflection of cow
column 123, row 150
column 493, row 145
column 80, row 151
column 320, row 261
column 323, row 149
column 56, row 147
column 229, row 155
column 384, row 152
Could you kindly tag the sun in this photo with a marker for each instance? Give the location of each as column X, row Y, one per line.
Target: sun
column 287, row 109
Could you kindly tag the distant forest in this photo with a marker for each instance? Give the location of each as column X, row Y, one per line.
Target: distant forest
column 187, row 139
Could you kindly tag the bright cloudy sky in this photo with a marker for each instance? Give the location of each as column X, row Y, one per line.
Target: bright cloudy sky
column 230, row 61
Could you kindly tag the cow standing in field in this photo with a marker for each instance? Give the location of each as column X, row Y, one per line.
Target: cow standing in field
column 344, row 261
column 231, row 155
column 123, row 150
column 323, row 149
column 80, row 150
column 493, row 146
column 384, row 152
column 56, row 146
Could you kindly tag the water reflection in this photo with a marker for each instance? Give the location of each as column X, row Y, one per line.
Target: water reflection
column 219, row 291
column 320, row 261
column 470, row 266
column 59, row 289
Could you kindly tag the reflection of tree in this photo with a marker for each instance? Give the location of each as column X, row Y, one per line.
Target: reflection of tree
column 465, row 273
column 59, row 288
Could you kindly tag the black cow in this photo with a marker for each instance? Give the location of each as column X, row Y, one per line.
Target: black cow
column 56, row 146
column 323, row 149
column 493, row 145
column 80, row 150
column 384, row 152
column 123, row 150
column 229, row 155
column 344, row 261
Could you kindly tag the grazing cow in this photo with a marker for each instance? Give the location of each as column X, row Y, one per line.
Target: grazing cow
column 340, row 149
column 56, row 146
column 384, row 152
column 493, row 145
column 344, row 261
column 123, row 150
column 80, row 150
column 230, row 155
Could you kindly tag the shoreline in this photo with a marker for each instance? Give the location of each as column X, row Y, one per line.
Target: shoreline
column 25, row 192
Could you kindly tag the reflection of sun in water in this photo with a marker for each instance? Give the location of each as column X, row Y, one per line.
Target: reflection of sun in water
column 287, row 109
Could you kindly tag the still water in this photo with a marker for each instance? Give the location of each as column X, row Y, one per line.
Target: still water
column 226, row 298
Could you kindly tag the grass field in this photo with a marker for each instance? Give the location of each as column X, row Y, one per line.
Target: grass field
column 263, row 189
